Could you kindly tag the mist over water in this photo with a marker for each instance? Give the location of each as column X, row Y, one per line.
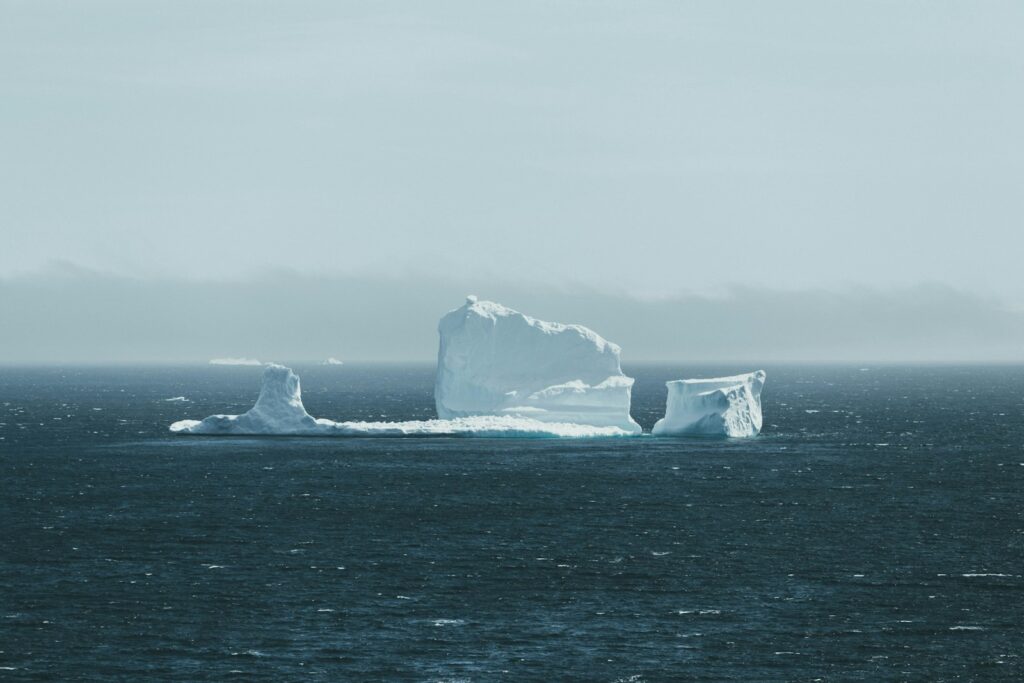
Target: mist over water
column 52, row 318
column 873, row 531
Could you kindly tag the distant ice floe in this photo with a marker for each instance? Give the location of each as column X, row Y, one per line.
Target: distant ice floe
column 279, row 411
column 333, row 361
column 722, row 406
column 235, row 361
column 176, row 399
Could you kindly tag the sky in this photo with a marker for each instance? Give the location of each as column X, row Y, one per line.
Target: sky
column 687, row 167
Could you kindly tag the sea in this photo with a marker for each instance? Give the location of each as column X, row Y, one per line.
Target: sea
column 874, row 531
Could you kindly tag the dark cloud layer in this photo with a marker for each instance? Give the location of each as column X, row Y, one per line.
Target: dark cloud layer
column 69, row 315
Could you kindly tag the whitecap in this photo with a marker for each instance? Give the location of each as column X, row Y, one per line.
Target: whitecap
column 699, row 611
column 974, row 575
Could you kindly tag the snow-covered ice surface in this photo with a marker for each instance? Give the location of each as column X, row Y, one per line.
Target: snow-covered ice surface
column 279, row 411
column 494, row 361
column 722, row 406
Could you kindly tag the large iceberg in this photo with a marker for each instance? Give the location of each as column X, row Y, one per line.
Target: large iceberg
column 494, row 361
column 279, row 411
column 723, row 406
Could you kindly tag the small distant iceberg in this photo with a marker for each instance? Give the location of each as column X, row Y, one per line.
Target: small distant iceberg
column 332, row 361
column 176, row 399
column 721, row 406
column 279, row 411
column 235, row 361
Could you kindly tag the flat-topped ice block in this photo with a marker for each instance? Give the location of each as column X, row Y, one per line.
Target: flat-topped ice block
column 493, row 360
column 721, row 406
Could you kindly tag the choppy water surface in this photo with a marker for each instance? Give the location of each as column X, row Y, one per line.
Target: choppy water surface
column 873, row 532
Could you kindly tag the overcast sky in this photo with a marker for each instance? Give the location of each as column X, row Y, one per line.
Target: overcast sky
column 844, row 159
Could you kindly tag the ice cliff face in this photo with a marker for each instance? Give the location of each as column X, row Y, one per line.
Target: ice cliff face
column 496, row 361
column 724, row 406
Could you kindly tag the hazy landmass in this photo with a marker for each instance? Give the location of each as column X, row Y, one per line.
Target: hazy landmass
column 74, row 315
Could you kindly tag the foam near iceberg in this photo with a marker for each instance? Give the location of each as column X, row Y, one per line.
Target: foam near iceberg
column 722, row 406
column 279, row 411
column 494, row 361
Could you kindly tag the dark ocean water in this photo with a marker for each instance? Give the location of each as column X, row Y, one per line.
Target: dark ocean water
column 873, row 532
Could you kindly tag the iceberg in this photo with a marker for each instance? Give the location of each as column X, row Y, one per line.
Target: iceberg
column 234, row 361
column 279, row 411
column 494, row 361
column 722, row 406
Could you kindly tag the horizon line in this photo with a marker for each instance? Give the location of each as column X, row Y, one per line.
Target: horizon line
column 365, row 362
